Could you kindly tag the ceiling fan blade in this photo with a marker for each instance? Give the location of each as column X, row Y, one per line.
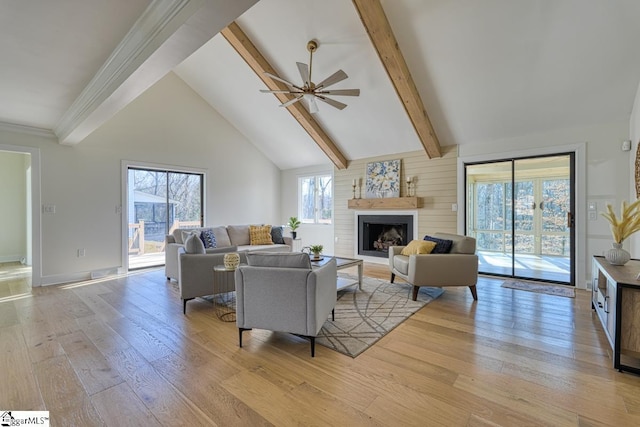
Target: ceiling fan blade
column 291, row 101
column 342, row 92
column 334, row 78
column 274, row 77
column 313, row 105
column 304, row 72
column 332, row 102
column 280, row 91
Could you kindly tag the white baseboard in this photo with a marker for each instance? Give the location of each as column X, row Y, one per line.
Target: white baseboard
column 11, row 258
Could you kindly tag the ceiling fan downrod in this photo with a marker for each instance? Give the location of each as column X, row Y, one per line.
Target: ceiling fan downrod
column 312, row 46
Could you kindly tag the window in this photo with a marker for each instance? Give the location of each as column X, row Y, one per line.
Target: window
column 315, row 199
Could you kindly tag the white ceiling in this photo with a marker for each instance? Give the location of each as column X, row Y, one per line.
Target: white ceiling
column 485, row 70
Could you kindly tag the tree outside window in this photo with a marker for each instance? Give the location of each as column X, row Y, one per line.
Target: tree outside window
column 315, row 198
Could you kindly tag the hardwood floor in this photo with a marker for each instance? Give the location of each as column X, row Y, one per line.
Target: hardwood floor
column 120, row 352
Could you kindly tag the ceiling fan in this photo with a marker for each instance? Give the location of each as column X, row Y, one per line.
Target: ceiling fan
column 311, row 91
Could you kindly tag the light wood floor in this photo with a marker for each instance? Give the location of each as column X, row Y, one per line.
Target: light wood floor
column 120, row 352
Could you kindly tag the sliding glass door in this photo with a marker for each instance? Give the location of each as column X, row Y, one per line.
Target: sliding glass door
column 160, row 201
column 521, row 213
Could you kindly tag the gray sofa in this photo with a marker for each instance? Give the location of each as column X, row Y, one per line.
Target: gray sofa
column 232, row 238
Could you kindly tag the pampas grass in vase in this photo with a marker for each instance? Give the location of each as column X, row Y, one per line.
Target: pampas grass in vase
column 622, row 228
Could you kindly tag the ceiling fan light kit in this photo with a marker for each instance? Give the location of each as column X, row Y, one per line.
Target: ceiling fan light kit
column 309, row 91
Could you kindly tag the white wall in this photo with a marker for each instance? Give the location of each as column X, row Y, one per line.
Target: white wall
column 170, row 125
column 13, row 206
column 310, row 234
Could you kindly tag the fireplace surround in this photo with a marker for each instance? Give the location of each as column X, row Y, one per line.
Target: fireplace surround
column 375, row 232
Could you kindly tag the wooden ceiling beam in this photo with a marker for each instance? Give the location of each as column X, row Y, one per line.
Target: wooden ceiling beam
column 375, row 22
column 258, row 63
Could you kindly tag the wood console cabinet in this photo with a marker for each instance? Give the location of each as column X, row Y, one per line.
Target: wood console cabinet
column 616, row 300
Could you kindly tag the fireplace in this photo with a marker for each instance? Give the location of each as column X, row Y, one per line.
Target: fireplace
column 377, row 232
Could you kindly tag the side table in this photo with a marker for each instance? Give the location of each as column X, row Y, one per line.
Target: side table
column 224, row 293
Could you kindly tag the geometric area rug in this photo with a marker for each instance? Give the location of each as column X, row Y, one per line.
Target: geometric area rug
column 364, row 316
column 561, row 291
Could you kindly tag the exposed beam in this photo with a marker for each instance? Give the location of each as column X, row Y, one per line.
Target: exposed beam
column 258, row 63
column 165, row 35
column 382, row 37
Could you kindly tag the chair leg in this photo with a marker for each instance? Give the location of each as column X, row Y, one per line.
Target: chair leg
column 184, row 305
column 474, row 292
column 313, row 346
column 414, row 294
column 240, row 331
column 333, row 314
column 393, row 277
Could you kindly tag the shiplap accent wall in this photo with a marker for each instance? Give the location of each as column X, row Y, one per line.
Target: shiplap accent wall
column 435, row 184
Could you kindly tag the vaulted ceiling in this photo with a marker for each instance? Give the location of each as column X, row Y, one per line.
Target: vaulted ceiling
column 481, row 70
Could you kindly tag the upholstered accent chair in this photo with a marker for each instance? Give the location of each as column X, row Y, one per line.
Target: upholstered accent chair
column 282, row 292
column 195, row 273
column 458, row 267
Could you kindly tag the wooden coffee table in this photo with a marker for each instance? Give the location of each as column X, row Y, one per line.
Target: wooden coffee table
column 342, row 263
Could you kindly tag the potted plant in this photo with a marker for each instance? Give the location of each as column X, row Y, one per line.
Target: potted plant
column 316, row 250
column 293, row 224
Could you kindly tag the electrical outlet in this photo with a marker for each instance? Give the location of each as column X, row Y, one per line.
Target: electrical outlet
column 593, row 216
column 50, row 209
column 81, row 253
column 454, row 207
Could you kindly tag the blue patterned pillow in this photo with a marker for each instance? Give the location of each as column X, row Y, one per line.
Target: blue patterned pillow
column 276, row 235
column 442, row 246
column 208, row 238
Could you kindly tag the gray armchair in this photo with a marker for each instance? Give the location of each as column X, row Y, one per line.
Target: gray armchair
column 281, row 292
column 195, row 273
column 459, row 267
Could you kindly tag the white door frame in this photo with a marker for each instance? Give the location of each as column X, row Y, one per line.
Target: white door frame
column 36, row 225
column 580, row 151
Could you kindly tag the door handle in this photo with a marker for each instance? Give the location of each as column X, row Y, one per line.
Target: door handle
column 570, row 220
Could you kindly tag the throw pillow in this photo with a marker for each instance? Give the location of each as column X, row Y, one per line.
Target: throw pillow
column 260, row 235
column 443, row 246
column 208, row 238
column 277, row 235
column 193, row 244
column 418, row 247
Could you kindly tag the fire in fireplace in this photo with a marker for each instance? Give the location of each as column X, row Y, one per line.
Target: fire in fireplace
column 376, row 233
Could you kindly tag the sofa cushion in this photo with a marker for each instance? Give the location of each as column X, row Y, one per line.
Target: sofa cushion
column 221, row 250
column 277, row 235
column 417, row 247
column 443, row 246
column 260, row 235
column 279, row 259
column 239, row 234
column 222, row 237
column 208, row 238
column 193, row 244
column 461, row 244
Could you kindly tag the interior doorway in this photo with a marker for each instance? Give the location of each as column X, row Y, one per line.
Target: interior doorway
column 521, row 213
column 19, row 262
